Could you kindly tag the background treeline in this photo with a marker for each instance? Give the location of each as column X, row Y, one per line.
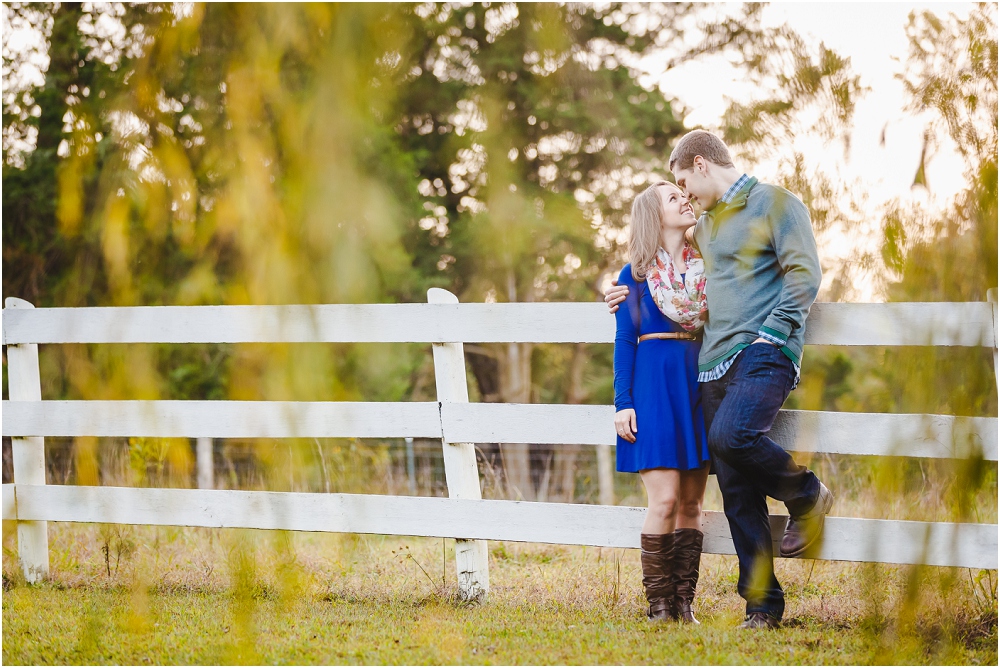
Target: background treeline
column 265, row 154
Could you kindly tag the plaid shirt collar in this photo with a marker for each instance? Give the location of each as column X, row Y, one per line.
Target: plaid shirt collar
column 735, row 188
column 735, row 198
column 736, row 193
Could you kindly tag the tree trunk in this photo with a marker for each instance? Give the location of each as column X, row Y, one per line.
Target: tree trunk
column 515, row 387
column 566, row 455
column 605, row 475
column 485, row 367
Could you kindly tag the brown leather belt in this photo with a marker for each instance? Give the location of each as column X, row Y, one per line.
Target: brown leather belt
column 683, row 336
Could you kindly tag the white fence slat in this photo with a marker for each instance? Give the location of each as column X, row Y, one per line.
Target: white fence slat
column 458, row 423
column 934, row 436
column 891, row 324
column 879, row 434
column 847, row 539
column 460, row 468
column 902, row 542
column 529, row 423
column 325, row 323
column 223, row 419
column 900, row 324
column 28, row 454
column 887, row 434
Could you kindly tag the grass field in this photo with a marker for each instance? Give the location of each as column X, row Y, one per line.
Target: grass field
column 162, row 595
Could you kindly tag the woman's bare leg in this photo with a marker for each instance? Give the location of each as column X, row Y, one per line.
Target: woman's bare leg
column 657, row 541
column 688, row 541
column 690, row 495
column 662, row 489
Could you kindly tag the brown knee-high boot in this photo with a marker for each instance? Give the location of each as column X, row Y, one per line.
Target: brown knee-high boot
column 687, row 550
column 658, row 575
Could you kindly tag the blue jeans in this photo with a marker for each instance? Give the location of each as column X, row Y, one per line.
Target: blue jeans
column 739, row 410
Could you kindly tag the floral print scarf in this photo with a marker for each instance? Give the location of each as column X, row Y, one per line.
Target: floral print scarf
column 682, row 301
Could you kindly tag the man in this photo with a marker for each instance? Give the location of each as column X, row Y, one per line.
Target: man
column 763, row 274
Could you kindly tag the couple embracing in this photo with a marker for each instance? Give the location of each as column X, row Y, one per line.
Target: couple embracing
column 708, row 346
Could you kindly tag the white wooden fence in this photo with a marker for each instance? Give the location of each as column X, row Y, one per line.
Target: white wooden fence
column 464, row 515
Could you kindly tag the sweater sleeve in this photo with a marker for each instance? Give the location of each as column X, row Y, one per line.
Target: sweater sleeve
column 626, row 340
column 795, row 247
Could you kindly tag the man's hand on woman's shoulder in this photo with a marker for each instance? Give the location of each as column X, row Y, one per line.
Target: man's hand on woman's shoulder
column 689, row 236
column 615, row 295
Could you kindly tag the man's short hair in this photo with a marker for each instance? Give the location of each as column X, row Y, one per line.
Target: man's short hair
column 699, row 142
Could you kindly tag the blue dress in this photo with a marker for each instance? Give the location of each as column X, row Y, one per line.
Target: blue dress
column 659, row 379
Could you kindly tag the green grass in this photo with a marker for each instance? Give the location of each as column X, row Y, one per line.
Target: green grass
column 224, row 596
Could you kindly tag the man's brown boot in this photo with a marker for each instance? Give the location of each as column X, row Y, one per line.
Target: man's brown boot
column 687, row 558
column 657, row 575
column 804, row 533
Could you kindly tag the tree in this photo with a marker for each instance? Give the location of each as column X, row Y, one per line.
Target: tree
column 230, row 154
column 529, row 134
column 951, row 72
column 323, row 153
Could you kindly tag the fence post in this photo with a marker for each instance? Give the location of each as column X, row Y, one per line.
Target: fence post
column 461, row 471
column 24, row 384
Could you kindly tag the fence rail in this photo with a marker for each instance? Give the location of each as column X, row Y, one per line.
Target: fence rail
column 902, row 324
column 847, row 538
column 464, row 516
column 882, row 434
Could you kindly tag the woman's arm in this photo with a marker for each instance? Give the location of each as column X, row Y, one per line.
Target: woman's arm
column 626, row 341
column 626, row 338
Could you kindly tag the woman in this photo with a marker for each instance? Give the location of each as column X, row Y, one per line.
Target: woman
column 661, row 431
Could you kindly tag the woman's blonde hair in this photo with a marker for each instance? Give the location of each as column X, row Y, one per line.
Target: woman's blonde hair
column 644, row 229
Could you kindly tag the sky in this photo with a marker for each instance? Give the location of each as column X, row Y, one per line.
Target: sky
column 873, row 36
column 876, row 45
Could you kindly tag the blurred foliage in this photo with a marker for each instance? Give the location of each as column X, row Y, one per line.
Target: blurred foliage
column 363, row 153
column 950, row 77
column 357, row 153
column 202, row 154
column 951, row 70
column 231, row 153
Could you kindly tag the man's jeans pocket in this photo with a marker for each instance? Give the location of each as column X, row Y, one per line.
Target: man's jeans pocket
column 768, row 359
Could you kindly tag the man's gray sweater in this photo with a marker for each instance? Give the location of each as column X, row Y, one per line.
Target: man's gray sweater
column 763, row 272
